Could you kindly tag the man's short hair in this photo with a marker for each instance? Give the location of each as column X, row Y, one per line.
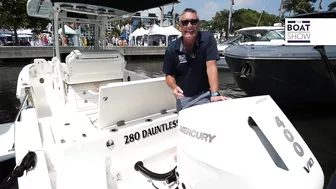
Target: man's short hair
column 188, row 10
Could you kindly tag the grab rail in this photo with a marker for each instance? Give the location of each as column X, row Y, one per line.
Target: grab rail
column 18, row 115
column 21, row 107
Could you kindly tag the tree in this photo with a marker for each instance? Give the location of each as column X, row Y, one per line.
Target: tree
column 13, row 15
column 242, row 18
column 219, row 22
column 320, row 5
column 332, row 6
column 305, row 6
column 246, row 18
column 268, row 19
column 205, row 25
column 299, row 6
column 37, row 23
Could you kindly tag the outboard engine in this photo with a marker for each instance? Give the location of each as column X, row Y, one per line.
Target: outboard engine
column 245, row 143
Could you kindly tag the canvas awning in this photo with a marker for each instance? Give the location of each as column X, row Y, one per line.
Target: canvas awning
column 24, row 31
column 24, row 35
column 5, row 35
column 122, row 5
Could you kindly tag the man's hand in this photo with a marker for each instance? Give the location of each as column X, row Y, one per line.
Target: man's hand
column 219, row 98
column 178, row 93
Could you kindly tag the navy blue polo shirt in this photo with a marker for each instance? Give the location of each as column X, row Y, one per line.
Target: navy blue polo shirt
column 189, row 70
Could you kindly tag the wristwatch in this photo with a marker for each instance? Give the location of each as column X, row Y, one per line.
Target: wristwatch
column 215, row 94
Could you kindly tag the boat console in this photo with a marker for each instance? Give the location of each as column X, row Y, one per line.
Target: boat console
column 93, row 66
column 120, row 103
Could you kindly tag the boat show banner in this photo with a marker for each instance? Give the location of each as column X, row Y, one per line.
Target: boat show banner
column 310, row 31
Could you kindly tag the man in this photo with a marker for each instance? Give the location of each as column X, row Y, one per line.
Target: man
column 190, row 64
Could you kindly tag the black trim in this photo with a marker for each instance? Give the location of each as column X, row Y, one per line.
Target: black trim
column 332, row 181
column 322, row 14
column 267, row 145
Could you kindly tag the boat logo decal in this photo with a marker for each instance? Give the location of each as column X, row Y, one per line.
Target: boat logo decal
column 297, row 147
column 152, row 131
column 298, row 31
column 207, row 137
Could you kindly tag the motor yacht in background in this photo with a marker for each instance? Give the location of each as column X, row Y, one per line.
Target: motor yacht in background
column 295, row 76
column 259, row 35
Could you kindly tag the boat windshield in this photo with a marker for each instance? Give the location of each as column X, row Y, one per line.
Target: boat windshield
column 256, row 35
column 272, row 35
column 233, row 39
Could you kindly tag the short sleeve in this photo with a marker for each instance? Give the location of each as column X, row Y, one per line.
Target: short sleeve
column 212, row 51
column 168, row 63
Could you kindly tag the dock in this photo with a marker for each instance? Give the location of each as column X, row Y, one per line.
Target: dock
column 17, row 52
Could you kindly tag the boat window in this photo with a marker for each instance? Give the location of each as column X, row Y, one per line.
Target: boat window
column 282, row 32
column 272, row 35
column 244, row 36
column 234, row 39
column 253, row 32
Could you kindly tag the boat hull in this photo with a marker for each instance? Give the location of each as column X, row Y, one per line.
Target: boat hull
column 293, row 83
column 7, row 141
column 221, row 64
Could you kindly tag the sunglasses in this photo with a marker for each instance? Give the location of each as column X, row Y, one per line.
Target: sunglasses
column 192, row 22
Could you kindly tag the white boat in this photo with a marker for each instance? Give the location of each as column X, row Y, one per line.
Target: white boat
column 259, row 35
column 89, row 123
column 6, row 141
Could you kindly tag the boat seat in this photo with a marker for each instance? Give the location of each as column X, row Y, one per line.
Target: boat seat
column 93, row 66
column 127, row 101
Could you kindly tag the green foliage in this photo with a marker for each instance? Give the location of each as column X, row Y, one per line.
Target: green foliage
column 299, row 6
column 248, row 18
column 219, row 22
column 13, row 15
column 332, row 6
column 245, row 18
column 242, row 18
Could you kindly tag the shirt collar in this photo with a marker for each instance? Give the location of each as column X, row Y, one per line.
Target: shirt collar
column 179, row 46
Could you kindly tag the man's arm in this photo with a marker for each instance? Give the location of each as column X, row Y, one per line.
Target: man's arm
column 170, row 80
column 211, row 63
column 212, row 72
column 169, row 69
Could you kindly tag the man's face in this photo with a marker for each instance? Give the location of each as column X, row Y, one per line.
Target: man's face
column 189, row 25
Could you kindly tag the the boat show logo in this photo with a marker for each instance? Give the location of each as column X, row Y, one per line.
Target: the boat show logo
column 298, row 31
column 310, row 31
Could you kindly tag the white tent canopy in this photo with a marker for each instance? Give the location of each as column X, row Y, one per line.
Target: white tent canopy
column 24, row 31
column 67, row 30
column 5, row 31
column 139, row 32
column 171, row 30
column 155, row 30
column 167, row 31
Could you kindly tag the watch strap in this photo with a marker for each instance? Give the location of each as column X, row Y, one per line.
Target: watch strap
column 215, row 94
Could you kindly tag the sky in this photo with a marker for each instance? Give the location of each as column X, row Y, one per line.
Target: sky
column 208, row 8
